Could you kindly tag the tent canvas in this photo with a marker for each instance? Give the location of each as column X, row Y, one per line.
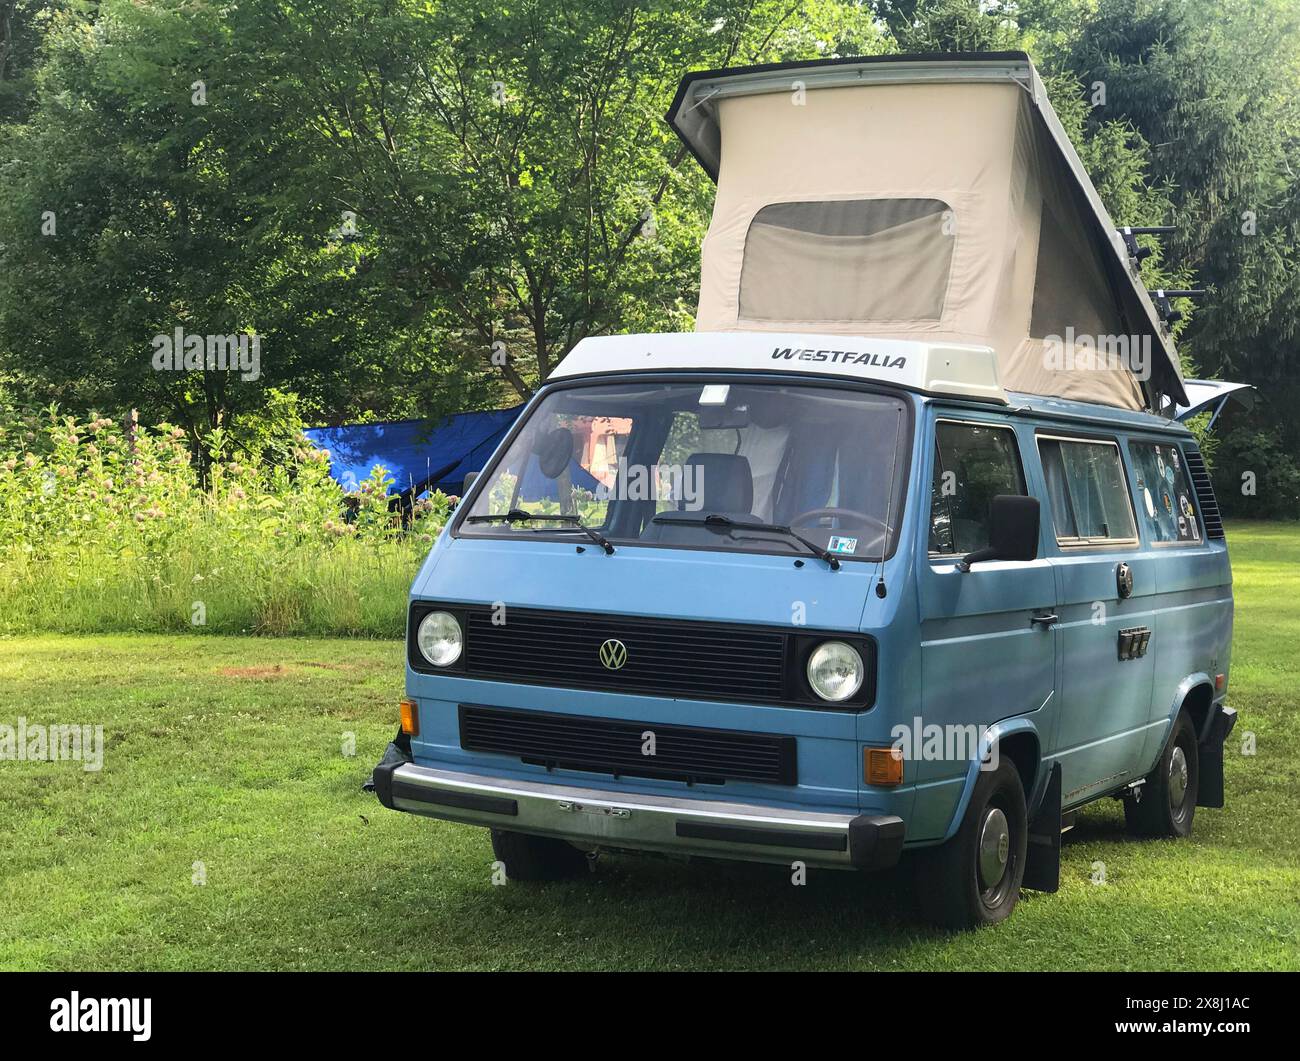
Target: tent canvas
column 934, row 198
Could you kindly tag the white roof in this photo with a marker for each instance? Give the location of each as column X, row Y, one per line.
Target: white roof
column 929, row 368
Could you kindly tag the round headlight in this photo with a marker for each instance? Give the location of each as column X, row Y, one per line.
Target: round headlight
column 835, row 670
column 440, row 639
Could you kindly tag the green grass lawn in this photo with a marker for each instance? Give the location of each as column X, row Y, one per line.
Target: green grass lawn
column 230, row 752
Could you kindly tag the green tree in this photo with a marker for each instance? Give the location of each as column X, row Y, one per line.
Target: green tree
column 1214, row 87
column 513, row 164
column 157, row 186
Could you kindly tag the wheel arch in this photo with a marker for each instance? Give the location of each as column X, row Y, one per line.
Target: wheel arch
column 1196, row 693
column 1018, row 740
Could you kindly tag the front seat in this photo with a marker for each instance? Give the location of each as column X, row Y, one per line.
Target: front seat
column 724, row 486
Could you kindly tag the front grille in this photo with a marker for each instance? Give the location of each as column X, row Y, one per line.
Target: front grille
column 1204, row 492
column 691, row 660
column 616, row 746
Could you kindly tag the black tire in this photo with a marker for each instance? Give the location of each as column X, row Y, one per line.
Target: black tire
column 1166, row 803
column 536, row 857
column 953, row 888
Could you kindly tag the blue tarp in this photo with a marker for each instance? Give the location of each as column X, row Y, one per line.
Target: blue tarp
column 415, row 450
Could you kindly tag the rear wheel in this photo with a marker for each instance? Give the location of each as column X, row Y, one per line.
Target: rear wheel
column 1166, row 802
column 974, row 878
column 536, row 857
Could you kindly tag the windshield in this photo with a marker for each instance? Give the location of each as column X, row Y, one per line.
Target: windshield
column 614, row 457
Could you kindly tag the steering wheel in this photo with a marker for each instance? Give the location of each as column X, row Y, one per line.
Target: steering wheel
column 859, row 519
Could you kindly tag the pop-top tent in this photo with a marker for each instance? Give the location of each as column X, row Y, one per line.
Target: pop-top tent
column 923, row 197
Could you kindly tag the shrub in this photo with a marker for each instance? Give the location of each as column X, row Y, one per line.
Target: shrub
column 104, row 528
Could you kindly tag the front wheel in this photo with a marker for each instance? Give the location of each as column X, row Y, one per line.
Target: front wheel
column 527, row 857
column 1166, row 802
column 974, row 878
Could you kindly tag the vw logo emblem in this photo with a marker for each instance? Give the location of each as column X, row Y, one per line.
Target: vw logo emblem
column 613, row 654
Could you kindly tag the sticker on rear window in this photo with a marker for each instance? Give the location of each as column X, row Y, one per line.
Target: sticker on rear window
column 842, row 545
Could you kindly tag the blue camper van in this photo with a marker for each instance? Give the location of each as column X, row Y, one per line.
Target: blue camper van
column 851, row 590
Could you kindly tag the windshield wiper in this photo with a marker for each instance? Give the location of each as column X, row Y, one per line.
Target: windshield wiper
column 717, row 520
column 518, row 515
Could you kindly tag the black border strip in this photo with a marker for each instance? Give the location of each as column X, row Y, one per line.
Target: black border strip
column 740, row 834
column 445, row 798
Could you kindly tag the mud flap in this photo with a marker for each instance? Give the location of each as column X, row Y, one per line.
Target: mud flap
column 1043, row 852
column 1209, row 791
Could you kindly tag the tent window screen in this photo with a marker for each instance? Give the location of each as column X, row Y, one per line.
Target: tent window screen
column 1087, row 491
column 848, row 260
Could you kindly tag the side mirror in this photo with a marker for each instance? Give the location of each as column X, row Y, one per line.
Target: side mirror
column 469, row 481
column 1013, row 531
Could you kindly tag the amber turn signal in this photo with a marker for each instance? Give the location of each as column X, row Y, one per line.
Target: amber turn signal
column 883, row 766
column 410, row 718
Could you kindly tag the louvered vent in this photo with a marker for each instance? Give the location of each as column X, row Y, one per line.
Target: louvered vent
column 1204, row 492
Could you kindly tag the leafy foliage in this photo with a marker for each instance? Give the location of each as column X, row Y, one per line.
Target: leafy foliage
column 420, row 205
column 108, row 526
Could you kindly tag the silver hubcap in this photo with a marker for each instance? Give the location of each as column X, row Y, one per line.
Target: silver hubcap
column 1177, row 779
column 995, row 847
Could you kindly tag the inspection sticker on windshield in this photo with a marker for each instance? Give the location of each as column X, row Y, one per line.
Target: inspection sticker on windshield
column 842, row 545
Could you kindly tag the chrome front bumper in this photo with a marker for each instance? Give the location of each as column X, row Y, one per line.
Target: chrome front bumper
column 593, row 818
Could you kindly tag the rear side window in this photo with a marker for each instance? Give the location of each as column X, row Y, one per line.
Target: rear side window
column 973, row 463
column 847, row 260
column 1087, row 492
column 1164, row 493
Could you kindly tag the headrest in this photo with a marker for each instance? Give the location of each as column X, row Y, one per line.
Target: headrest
column 724, row 481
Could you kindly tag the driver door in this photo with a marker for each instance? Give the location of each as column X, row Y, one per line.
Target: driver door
column 982, row 657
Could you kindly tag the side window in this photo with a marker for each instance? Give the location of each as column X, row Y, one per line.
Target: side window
column 1164, row 494
column 973, row 463
column 1086, row 489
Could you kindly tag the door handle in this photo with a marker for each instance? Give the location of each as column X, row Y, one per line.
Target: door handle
column 1044, row 620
